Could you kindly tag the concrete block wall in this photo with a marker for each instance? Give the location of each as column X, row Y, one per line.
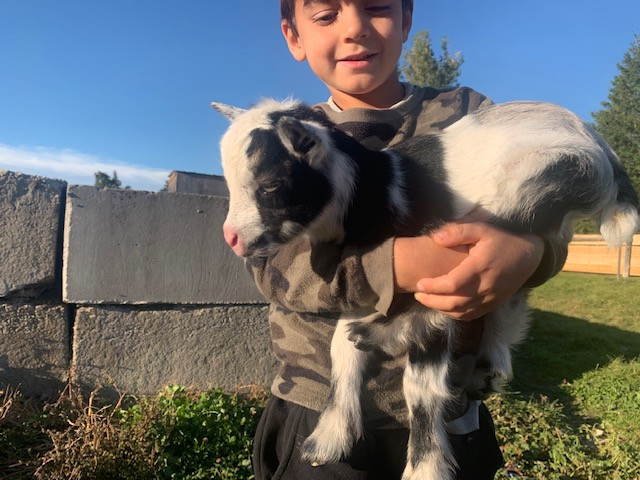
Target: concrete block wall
column 187, row 182
column 122, row 288
column 132, row 247
column 30, row 217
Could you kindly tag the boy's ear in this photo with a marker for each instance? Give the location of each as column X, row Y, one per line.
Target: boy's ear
column 293, row 41
column 302, row 141
column 227, row 110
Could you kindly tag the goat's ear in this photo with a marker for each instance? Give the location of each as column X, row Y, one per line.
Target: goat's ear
column 227, row 110
column 301, row 140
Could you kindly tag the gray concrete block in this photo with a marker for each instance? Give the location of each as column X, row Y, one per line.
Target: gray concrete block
column 142, row 350
column 30, row 214
column 133, row 247
column 34, row 347
column 199, row 183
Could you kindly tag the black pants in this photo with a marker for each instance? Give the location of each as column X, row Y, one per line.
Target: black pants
column 380, row 455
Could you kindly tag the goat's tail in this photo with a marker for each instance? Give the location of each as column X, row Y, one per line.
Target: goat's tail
column 620, row 219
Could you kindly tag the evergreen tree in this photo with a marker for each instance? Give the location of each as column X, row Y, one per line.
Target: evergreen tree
column 102, row 180
column 619, row 120
column 422, row 68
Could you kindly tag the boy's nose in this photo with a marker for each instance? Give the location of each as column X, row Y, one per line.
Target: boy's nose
column 356, row 22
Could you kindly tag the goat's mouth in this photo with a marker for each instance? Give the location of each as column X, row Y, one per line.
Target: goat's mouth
column 262, row 246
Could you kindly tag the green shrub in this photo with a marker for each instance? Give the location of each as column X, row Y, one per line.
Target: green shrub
column 199, row 436
column 586, row 225
column 23, row 438
column 90, row 442
column 179, row 434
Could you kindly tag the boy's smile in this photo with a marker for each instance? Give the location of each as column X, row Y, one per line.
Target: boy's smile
column 358, row 60
column 353, row 46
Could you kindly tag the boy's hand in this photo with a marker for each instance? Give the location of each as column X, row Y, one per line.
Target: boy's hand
column 498, row 264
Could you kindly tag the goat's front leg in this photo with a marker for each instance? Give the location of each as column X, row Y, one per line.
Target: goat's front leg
column 426, row 389
column 340, row 424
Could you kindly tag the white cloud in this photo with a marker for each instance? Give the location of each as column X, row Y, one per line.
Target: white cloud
column 77, row 168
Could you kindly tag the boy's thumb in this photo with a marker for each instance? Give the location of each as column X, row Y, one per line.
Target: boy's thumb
column 449, row 235
column 453, row 234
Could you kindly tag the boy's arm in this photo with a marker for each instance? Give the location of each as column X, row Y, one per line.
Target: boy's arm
column 348, row 278
column 329, row 278
column 468, row 270
column 415, row 258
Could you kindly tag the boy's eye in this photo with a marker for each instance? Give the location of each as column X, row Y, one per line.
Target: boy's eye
column 325, row 18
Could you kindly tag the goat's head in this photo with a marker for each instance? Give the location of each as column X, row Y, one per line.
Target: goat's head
column 274, row 158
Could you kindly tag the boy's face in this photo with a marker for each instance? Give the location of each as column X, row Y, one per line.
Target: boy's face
column 353, row 46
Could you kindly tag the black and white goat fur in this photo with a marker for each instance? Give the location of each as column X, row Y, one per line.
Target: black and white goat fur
column 525, row 166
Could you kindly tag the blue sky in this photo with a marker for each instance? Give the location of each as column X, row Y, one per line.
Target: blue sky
column 126, row 84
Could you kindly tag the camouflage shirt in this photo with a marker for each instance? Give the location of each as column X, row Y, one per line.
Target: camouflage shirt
column 310, row 289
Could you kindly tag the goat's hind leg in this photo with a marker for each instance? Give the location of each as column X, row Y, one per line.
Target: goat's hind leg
column 426, row 389
column 340, row 424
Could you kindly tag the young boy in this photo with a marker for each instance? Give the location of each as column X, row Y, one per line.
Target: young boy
column 353, row 46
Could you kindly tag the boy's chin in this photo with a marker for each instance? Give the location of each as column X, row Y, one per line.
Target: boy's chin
column 368, row 98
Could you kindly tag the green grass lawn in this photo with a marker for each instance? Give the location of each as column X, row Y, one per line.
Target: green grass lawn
column 573, row 409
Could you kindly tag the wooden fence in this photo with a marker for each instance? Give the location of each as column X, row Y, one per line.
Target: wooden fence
column 590, row 254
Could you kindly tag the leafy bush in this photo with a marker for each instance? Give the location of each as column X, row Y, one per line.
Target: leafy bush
column 91, row 442
column 199, row 436
column 179, row 434
column 22, row 436
column 585, row 225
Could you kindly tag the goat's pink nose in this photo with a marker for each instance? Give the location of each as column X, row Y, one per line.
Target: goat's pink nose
column 230, row 235
column 232, row 239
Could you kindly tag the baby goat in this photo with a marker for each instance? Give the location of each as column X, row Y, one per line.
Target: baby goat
column 524, row 166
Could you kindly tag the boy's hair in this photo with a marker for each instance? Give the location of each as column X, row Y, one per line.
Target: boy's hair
column 287, row 8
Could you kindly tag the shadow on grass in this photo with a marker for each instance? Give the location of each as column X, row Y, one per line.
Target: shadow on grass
column 560, row 349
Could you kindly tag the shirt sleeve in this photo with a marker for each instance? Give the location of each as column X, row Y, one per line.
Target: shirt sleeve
column 342, row 278
column 553, row 259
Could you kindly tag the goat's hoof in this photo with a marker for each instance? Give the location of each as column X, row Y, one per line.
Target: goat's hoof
column 311, row 452
column 319, row 452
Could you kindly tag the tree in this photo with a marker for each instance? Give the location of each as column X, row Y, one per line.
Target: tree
column 102, row 180
column 422, row 68
column 619, row 120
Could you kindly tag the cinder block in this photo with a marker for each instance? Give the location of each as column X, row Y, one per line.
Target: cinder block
column 133, row 247
column 141, row 350
column 34, row 347
column 29, row 226
column 199, row 183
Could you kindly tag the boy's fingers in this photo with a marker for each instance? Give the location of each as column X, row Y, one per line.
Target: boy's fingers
column 458, row 281
column 442, row 303
column 444, row 285
column 453, row 234
column 459, row 308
